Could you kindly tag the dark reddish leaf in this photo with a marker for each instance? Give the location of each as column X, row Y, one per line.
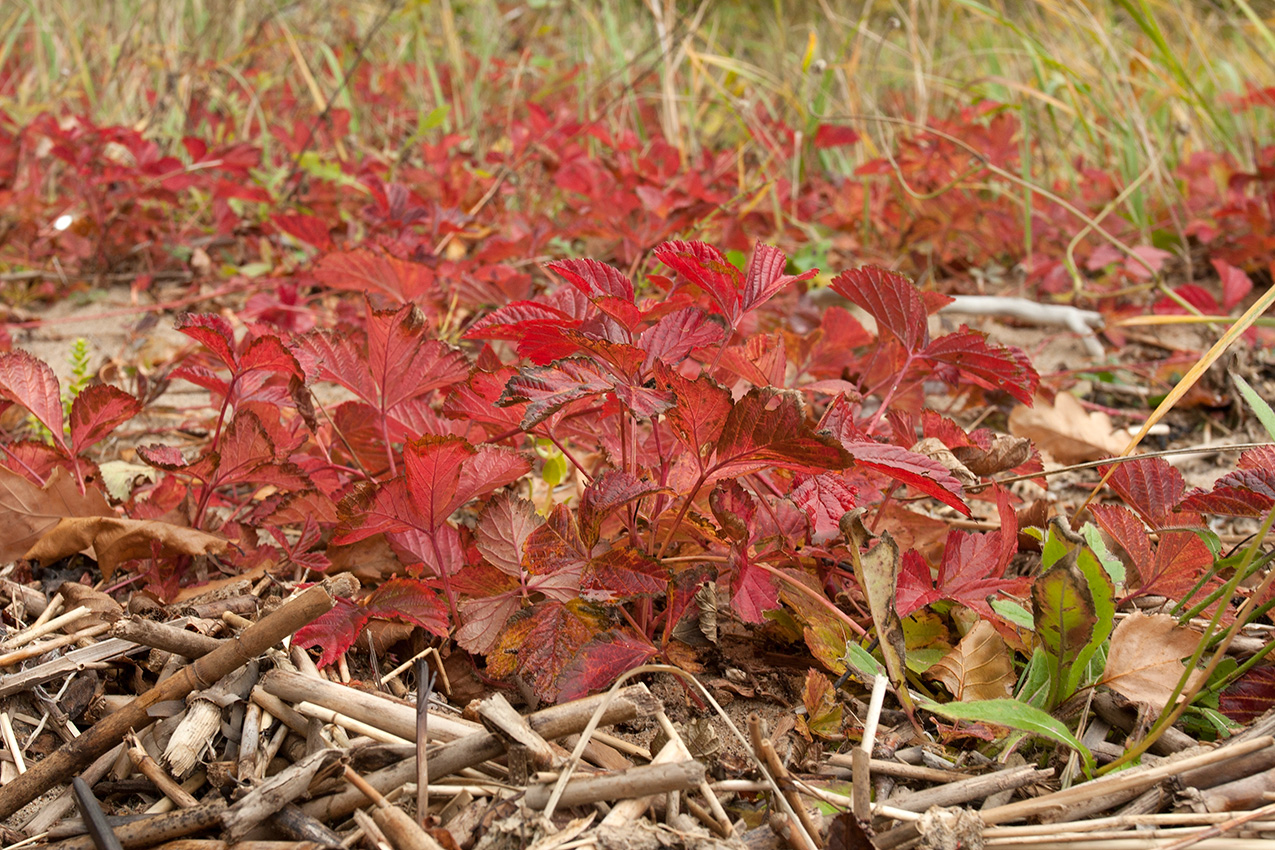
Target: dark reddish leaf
column 752, row 590
column 610, row 490
column 372, row 510
column 268, row 354
column 436, row 552
column 735, row 509
column 1151, row 486
column 768, row 427
column 334, row 631
column 30, row 382
column 503, row 529
column 707, row 268
column 701, row 409
column 1229, row 501
column 602, row 660
column 923, row 474
column 213, row 332
column 1250, row 696
column 1181, row 558
column 825, row 498
column 444, row 473
column 308, row 228
column 547, row 388
column 539, row 643
column 247, row 454
column 168, row 458
column 555, row 550
column 995, row 367
column 834, row 136
column 915, row 587
column 1235, row 284
column 970, row 572
column 411, row 600
column 677, row 334
column 475, row 401
column 98, row 410
column 765, row 277
column 595, row 279
column 622, row 573
column 1126, row 529
column 373, row 270
column 890, row 299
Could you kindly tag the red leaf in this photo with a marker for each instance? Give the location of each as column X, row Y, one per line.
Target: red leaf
column 622, row 573
column 404, row 361
column 444, row 473
column 890, row 299
column 503, row 529
column 735, row 509
column 595, row 279
column 921, row 473
column 268, row 354
column 766, row 277
column 1181, row 558
column 768, row 427
column 30, row 382
column 329, row 356
column 971, row 572
column 995, row 367
column 411, row 600
column 752, row 590
column 369, row 270
column 676, row 335
column 436, row 552
column 1151, row 486
column 825, row 498
column 475, row 401
column 834, row 136
column 700, row 411
column 915, row 587
column 97, row 411
column 539, row 643
column 555, row 551
column 1250, row 696
column 1235, row 284
column 602, row 660
column 213, row 332
column 247, row 454
column 547, row 388
column 308, row 228
column 1126, row 529
column 483, row 617
column 1248, row 491
column 707, row 268
column 607, row 492
column 334, row 631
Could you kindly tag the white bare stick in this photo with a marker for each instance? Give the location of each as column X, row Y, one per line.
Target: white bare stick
column 1081, row 322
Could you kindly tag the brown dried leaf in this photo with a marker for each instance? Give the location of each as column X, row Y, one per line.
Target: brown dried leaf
column 116, row 540
column 933, row 448
column 29, row 512
column 103, row 608
column 1006, row 453
column 1066, row 431
column 1145, row 661
column 979, row 667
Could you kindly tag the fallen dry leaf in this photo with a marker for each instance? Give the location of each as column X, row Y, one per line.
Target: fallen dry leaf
column 1066, row 431
column 1006, row 452
column 979, row 667
column 1145, row 661
column 28, row 511
column 115, row 540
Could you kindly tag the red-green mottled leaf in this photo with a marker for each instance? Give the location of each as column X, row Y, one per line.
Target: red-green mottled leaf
column 995, row 367
column 768, row 427
column 602, row 660
column 539, row 643
column 30, row 382
column 890, row 299
column 411, row 600
column 1250, row 696
column 214, row 332
column 97, row 411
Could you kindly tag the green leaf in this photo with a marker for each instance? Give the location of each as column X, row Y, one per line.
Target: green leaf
column 1063, row 609
column 1033, row 685
column 1261, row 409
column 1012, row 612
column 1113, row 566
column 1102, row 593
column 1015, row 715
column 862, row 663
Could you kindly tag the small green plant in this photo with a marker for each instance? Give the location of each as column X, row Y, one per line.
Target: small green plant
column 80, row 378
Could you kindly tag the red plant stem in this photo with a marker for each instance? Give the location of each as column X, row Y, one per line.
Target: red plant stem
column 889, row 396
column 442, row 574
column 686, row 506
column 558, row 445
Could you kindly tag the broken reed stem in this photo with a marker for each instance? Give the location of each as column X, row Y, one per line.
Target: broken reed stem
column 70, row 758
column 165, row 636
column 17, row 656
column 156, row 774
column 765, row 752
column 26, row 636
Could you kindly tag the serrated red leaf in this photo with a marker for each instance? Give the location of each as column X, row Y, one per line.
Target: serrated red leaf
column 372, row 509
column 168, row 458
column 444, row 473
column 546, row 389
column 923, row 474
column 594, row 279
column 475, row 401
column 98, row 410
column 915, row 587
column 328, row 356
column 555, row 549
column 1229, row 501
column 1181, row 558
column 268, row 354
column 610, row 490
column 677, row 334
column 834, row 136
column 602, row 660
column 706, row 267
column 32, row 459
column 213, row 332
column 890, row 299
column 437, row 552
column 1250, row 696
column 202, row 376
column 1236, row 284
column 752, row 590
column 247, row 455
column 539, row 643
column 768, row 427
column 734, row 508
column 765, row 277
column 994, row 367
column 308, row 228
column 700, row 411
column 825, row 498
column 373, row 270
column 404, row 361
column 1151, row 486
column 483, row 617
column 622, row 573
column 335, row 631
column 411, row 600
column 30, row 382
column 502, row 531
column 1126, row 529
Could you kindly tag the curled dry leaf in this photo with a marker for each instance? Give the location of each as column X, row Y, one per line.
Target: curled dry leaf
column 1145, row 661
column 1005, row 452
column 933, row 448
column 117, row 540
column 979, row 667
column 28, row 512
column 1066, row 431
